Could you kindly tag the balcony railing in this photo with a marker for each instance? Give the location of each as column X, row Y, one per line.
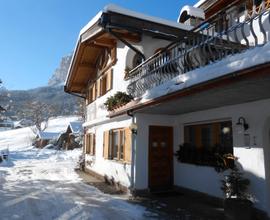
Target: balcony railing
column 236, row 28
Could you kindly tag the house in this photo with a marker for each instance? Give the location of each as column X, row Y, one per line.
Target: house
column 44, row 138
column 22, row 123
column 70, row 139
column 6, row 123
column 2, row 109
column 202, row 83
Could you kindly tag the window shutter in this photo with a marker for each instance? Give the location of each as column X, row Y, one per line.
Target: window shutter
column 113, row 55
column 89, row 144
column 109, row 80
column 85, row 143
column 106, row 141
column 94, row 92
column 98, row 88
column 103, row 85
column 87, row 98
column 94, row 144
column 127, row 146
column 89, row 95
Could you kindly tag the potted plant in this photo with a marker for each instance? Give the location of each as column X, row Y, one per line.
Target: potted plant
column 117, row 100
column 237, row 203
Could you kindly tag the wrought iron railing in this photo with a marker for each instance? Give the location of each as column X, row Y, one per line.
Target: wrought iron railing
column 234, row 29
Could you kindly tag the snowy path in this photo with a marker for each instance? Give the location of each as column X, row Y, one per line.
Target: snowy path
column 42, row 184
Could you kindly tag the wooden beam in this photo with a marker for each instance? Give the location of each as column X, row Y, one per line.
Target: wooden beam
column 91, row 44
column 87, row 65
column 110, row 43
column 85, row 69
column 135, row 38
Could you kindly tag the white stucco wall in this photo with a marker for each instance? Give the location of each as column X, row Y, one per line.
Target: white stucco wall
column 116, row 170
column 96, row 115
column 147, row 46
column 206, row 179
column 250, row 157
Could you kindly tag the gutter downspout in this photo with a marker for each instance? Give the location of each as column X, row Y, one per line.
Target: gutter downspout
column 133, row 152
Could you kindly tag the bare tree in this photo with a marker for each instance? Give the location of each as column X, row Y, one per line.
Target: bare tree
column 38, row 112
column 81, row 108
column 2, row 97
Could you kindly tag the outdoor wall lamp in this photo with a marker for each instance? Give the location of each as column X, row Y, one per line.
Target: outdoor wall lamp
column 242, row 124
column 133, row 127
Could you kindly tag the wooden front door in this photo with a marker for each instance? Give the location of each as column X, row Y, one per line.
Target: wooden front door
column 160, row 157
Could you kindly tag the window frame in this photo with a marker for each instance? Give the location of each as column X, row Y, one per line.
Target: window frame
column 100, row 87
column 119, row 144
column 90, row 144
column 194, row 152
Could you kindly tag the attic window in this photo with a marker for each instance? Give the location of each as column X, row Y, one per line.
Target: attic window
column 137, row 60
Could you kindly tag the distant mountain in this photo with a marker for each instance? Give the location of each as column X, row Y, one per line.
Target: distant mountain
column 60, row 74
column 63, row 103
column 53, row 94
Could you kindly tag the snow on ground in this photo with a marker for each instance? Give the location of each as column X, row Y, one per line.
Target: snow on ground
column 16, row 139
column 42, row 184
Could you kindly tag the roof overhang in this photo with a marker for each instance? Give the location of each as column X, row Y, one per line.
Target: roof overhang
column 96, row 36
column 243, row 86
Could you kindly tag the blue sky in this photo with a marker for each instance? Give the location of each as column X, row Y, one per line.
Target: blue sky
column 35, row 34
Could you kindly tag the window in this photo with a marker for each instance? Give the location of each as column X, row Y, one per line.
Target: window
column 91, row 94
column 100, row 87
column 104, row 84
column 137, row 60
column 117, row 144
column 121, row 146
column 90, row 144
column 202, row 142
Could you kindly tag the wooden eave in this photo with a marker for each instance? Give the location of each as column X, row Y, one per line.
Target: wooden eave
column 252, row 72
column 97, row 37
column 83, row 67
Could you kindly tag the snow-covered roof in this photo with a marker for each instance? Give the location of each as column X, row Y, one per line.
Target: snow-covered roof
column 48, row 135
column 199, row 3
column 76, row 127
column 192, row 11
column 59, row 124
column 124, row 11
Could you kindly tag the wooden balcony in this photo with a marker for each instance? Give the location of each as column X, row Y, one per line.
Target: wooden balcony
column 236, row 28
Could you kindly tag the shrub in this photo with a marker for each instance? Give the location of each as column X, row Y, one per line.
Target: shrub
column 117, row 100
